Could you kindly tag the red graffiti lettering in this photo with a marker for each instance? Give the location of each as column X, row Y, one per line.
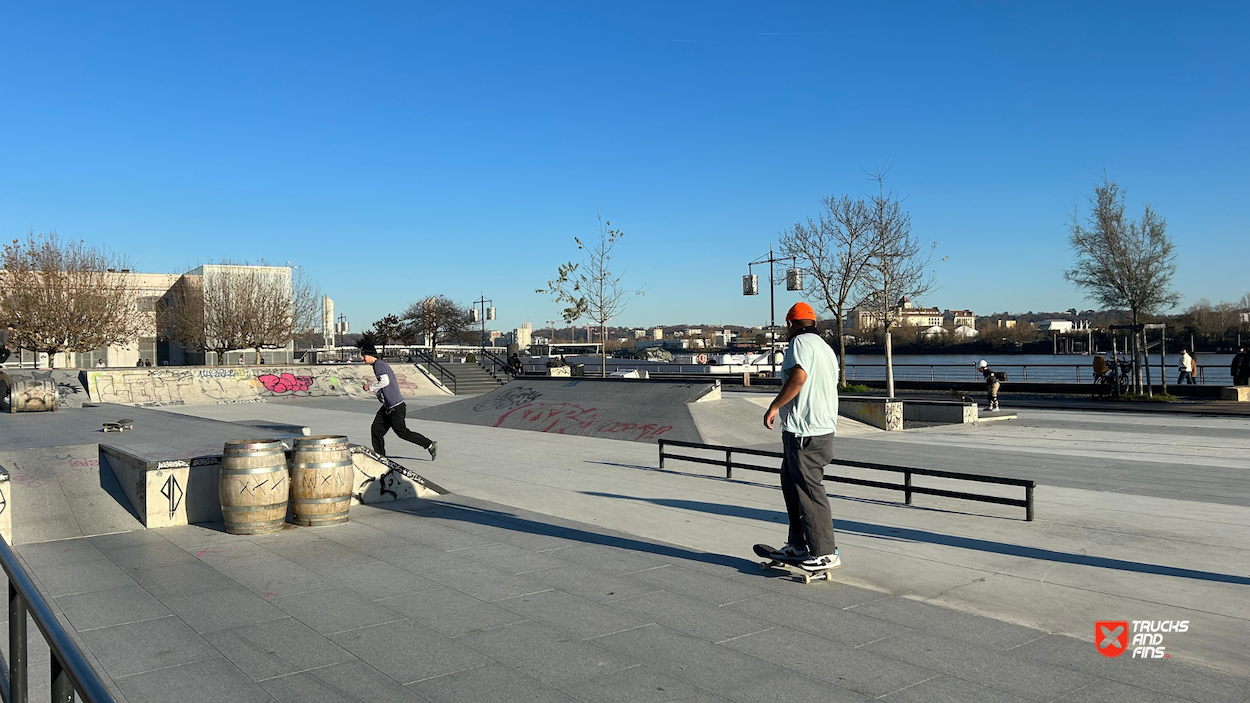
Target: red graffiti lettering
column 641, row 433
column 286, row 383
column 560, row 418
column 85, row 462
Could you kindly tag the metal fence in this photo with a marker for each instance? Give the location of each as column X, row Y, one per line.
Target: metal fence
column 70, row 673
column 906, row 486
column 1034, row 373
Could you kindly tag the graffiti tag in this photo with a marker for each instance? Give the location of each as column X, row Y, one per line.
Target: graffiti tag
column 510, row 398
column 286, row 383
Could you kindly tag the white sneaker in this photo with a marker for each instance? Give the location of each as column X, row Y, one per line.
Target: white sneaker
column 789, row 553
column 828, row 561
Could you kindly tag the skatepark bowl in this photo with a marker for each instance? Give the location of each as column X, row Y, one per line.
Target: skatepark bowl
column 557, row 550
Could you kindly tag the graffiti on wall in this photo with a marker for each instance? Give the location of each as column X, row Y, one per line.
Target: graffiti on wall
column 572, row 418
column 172, row 386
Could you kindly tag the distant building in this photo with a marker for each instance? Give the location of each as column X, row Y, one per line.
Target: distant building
column 905, row 313
column 957, row 318
column 657, row 333
column 1005, row 324
column 523, row 336
column 965, row 332
column 1061, row 326
column 640, row 334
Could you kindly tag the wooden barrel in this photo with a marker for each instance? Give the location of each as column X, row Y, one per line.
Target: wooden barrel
column 29, row 395
column 254, row 486
column 321, row 480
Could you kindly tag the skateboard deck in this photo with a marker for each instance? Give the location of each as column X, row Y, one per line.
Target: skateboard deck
column 119, row 426
column 790, row 566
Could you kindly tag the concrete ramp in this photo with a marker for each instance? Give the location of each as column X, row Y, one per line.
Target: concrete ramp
column 626, row 409
column 69, row 383
column 737, row 420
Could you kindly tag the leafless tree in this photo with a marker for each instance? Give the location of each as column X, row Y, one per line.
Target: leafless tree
column 1121, row 263
column 899, row 268
column 590, row 288
column 835, row 251
column 67, row 296
column 237, row 306
column 437, row 317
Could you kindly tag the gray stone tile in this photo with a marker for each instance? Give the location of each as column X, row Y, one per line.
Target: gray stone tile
column 335, row 610
column 784, row 687
column 828, row 593
column 451, row 612
column 222, row 609
column 1177, row 678
column 509, row 558
column 592, row 584
column 196, row 537
column 637, row 684
column 180, row 579
column 945, row 622
column 209, row 681
column 697, row 662
column 126, row 539
column 407, row 651
column 276, row 648
column 60, row 552
column 947, row 689
column 418, row 558
column 85, row 577
column 426, row 532
column 1103, row 691
column 693, row 617
column 853, row 669
column 1029, row 678
column 485, row 582
column 276, row 577
column 487, row 683
column 577, row 616
column 349, row 682
column 148, row 554
column 124, row 650
column 322, row 556
column 548, row 655
column 609, row 560
column 116, row 606
column 380, row 579
column 835, row 624
column 698, row 585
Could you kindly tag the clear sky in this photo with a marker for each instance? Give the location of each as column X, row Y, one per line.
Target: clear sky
column 408, row 149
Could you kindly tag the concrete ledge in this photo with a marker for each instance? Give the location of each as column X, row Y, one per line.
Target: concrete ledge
column 1240, row 394
column 951, row 412
column 885, row 413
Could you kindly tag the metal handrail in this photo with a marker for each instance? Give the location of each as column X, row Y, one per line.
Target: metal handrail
column 499, row 363
column 443, row 373
column 70, row 671
column 906, row 487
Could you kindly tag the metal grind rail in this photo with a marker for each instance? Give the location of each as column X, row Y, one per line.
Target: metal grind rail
column 906, row 486
column 70, row 671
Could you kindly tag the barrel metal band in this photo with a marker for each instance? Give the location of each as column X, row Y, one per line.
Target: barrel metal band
column 262, row 470
column 322, row 465
column 336, row 499
column 251, row 508
column 232, row 455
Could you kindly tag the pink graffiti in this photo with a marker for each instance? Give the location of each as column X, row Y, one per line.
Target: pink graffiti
column 560, row 418
column 645, row 433
column 84, row 462
column 286, row 383
column 571, row 418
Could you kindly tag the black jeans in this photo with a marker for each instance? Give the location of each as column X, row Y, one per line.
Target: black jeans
column 394, row 419
column 802, row 486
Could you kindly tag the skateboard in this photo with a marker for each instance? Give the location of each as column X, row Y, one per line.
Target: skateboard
column 765, row 551
column 119, row 426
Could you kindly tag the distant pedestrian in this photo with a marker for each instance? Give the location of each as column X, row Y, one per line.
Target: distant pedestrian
column 393, row 413
column 139, row 363
column 1240, row 367
column 260, row 360
column 515, row 362
column 991, row 385
column 4, row 342
column 808, row 408
column 240, row 360
column 1186, row 369
column 99, row 363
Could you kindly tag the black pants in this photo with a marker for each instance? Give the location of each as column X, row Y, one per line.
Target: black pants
column 394, row 419
column 802, row 486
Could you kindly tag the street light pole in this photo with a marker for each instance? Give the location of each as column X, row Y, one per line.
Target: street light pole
column 772, row 298
column 481, row 302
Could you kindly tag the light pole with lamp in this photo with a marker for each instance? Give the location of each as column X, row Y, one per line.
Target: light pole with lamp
column 487, row 313
column 751, row 286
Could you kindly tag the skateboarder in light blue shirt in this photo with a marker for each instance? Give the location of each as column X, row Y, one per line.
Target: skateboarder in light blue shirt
column 808, row 407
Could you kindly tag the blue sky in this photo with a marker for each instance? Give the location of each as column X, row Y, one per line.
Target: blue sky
column 457, row 148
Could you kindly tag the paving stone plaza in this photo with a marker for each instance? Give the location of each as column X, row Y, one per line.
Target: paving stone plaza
column 564, row 568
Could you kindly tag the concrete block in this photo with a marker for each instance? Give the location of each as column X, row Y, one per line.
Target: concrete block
column 379, row 481
column 1240, row 394
column 950, row 412
column 6, row 513
column 884, row 413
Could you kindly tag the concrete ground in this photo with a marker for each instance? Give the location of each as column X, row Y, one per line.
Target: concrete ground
column 573, row 568
column 1139, row 517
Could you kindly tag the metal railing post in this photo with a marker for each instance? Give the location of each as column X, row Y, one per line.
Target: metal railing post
column 907, row 484
column 729, row 465
column 62, row 689
column 17, row 647
column 661, row 443
column 1028, row 509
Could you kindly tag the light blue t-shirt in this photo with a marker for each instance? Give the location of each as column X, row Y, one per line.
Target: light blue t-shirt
column 814, row 411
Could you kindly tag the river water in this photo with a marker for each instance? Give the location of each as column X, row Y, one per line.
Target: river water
column 1061, row 368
